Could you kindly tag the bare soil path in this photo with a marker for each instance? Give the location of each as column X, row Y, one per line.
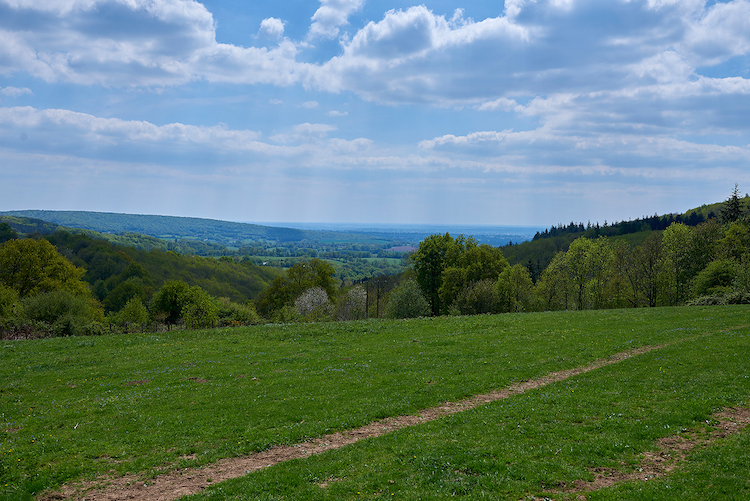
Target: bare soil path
column 672, row 451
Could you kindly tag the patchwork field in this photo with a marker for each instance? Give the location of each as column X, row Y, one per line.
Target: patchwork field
column 617, row 404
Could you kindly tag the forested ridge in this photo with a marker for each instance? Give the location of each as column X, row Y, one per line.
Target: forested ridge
column 537, row 254
column 58, row 282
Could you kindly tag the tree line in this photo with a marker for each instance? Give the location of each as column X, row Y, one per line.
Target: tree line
column 67, row 284
column 708, row 263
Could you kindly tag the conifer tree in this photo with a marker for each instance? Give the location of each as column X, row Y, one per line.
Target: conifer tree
column 732, row 210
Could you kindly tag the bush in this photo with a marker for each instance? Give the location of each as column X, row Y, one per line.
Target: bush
column 407, row 301
column 737, row 297
column 200, row 310
column 285, row 315
column 478, row 298
column 353, row 306
column 707, row 301
column 314, row 305
column 133, row 314
column 233, row 314
column 65, row 313
column 9, row 305
column 715, row 278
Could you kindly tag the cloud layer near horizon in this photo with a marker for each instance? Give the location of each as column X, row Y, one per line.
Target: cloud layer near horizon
column 592, row 106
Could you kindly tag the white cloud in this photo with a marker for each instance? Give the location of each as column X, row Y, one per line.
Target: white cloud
column 331, row 15
column 310, row 105
column 336, row 113
column 304, row 132
column 410, row 56
column 15, row 91
column 133, row 43
column 100, row 132
column 722, row 32
column 272, row 28
column 502, row 104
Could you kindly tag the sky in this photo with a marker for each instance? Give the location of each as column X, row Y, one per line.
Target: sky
column 523, row 112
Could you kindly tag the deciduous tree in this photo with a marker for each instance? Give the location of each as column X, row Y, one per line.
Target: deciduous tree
column 31, row 266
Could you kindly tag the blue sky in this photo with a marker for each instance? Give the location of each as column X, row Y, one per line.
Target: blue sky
column 527, row 112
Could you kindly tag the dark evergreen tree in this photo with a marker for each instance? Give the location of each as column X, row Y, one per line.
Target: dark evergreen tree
column 7, row 233
column 732, row 209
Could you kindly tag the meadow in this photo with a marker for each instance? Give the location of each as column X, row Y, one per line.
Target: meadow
column 79, row 408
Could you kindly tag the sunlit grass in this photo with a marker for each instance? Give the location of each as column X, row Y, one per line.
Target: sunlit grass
column 80, row 407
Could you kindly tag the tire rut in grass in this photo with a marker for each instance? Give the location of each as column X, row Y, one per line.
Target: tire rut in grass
column 186, row 481
column 672, row 451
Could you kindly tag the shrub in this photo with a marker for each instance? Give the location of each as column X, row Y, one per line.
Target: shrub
column 133, row 314
column 707, row 301
column 314, row 305
column 169, row 301
column 66, row 314
column 353, row 306
column 407, row 301
column 200, row 310
column 715, row 278
column 9, row 305
column 233, row 314
column 478, row 298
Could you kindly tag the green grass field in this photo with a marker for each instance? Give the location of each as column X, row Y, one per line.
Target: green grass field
column 75, row 408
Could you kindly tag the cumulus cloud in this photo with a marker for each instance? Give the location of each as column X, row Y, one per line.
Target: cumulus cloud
column 502, row 104
column 131, row 43
column 272, row 28
column 330, row 16
column 574, row 70
column 409, row 56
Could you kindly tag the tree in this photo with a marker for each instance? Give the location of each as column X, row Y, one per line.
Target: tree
column 515, row 289
column 314, row 304
column 67, row 313
column 169, row 300
column 7, row 233
column 478, row 298
column 125, row 291
column 645, row 268
column 133, row 313
column 445, row 267
column 8, row 302
column 732, row 209
column 283, row 291
column 601, row 272
column 736, row 240
column 715, row 279
column 554, row 288
column 200, row 311
column 407, row 301
column 353, row 306
column 676, row 245
column 31, row 266
column 577, row 267
column 429, row 263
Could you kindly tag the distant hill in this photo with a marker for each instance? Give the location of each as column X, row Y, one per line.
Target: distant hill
column 169, row 227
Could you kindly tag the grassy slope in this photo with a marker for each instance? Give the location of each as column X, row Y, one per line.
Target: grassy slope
column 72, row 414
